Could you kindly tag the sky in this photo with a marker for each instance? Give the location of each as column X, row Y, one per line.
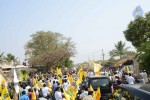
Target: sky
column 93, row 25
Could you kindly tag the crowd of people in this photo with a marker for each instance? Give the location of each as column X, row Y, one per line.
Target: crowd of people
column 53, row 86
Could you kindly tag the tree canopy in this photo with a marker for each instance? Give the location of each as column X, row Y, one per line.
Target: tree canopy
column 120, row 50
column 49, row 48
column 138, row 33
column 10, row 58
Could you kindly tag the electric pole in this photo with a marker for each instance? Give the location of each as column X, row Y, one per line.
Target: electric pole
column 103, row 56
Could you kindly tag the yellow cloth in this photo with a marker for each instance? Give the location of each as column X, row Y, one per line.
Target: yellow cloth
column 98, row 94
column 127, row 69
column 43, row 77
column 3, row 89
column 80, row 70
column 97, row 68
column 33, row 95
column 66, row 95
column 91, row 88
column 49, row 85
column 71, row 80
column 58, row 71
column 34, row 81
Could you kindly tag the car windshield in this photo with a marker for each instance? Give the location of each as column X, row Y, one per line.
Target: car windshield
column 99, row 82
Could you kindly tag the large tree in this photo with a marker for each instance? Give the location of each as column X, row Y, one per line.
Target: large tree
column 138, row 30
column 49, row 48
column 120, row 50
column 138, row 33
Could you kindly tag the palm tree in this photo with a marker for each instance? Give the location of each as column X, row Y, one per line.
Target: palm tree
column 10, row 58
column 1, row 57
column 120, row 50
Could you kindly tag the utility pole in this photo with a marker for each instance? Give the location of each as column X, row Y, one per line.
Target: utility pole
column 103, row 55
column 93, row 57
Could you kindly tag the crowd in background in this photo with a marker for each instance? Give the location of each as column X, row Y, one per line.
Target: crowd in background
column 52, row 86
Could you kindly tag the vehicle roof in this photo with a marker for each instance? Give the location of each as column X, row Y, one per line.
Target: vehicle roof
column 102, row 76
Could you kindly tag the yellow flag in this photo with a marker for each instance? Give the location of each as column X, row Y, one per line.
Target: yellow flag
column 84, row 73
column 72, row 89
column 49, row 85
column 72, row 98
column 34, row 81
column 97, row 68
column 78, row 82
column 98, row 94
column 43, row 77
column 60, row 81
column 80, row 70
column 91, row 88
column 81, row 76
column 127, row 69
column 3, row 89
column 66, row 95
column 33, row 95
column 58, row 71
column 71, row 79
column 115, row 93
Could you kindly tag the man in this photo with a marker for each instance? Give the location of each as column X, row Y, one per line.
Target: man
column 90, row 73
column 84, row 93
column 89, row 97
column 24, row 96
column 65, row 85
column 45, row 91
column 58, row 94
column 130, row 79
column 23, row 89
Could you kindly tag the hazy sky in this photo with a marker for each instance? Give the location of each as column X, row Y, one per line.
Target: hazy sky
column 92, row 24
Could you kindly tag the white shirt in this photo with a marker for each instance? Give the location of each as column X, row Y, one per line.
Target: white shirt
column 90, row 73
column 65, row 85
column 58, row 95
column 130, row 80
column 45, row 91
column 83, row 94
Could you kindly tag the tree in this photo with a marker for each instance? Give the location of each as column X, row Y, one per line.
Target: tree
column 138, row 33
column 120, row 50
column 10, row 58
column 48, row 48
column 1, row 57
column 138, row 30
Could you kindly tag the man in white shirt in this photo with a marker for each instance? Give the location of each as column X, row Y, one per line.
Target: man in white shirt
column 130, row 79
column 58, row 94
column 90, row 96
column 90, row 73
column 84, row 93
column 65, row 85
column 45, row 91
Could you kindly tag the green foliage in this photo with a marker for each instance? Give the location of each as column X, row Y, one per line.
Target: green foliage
column 120, row 50
column 138, row 30
column 1, row 57
column 144, row 56
column 138, row 33
column 66, row 62
column 10, row 58
column 48, row 48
